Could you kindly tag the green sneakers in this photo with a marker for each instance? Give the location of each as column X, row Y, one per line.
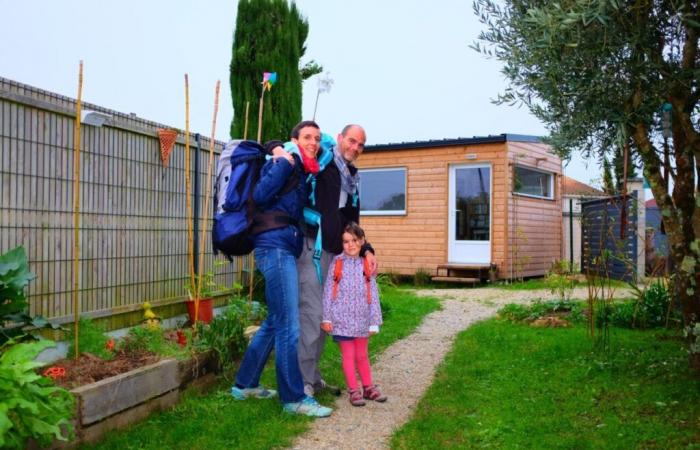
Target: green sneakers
column 307, row 407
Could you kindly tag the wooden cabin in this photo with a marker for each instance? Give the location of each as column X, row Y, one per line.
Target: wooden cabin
column 463, row 209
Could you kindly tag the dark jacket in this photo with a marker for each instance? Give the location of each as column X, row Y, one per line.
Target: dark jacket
column 333, row 217
column 270, row 196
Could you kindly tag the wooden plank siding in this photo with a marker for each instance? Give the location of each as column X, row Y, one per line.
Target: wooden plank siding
column 133, row 238
column 419, row 239
column 535, row 225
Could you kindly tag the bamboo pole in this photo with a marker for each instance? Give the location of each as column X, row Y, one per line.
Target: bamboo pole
column 251, row 258
column 245, row 126
column 188, row 192
column 245, row 136
column 76, row 213
column 206, row 200
column 260, row 112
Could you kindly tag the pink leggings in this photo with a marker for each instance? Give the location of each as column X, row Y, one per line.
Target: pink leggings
column 354, row 354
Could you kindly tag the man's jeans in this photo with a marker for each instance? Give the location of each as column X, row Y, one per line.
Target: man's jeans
column 280, row 330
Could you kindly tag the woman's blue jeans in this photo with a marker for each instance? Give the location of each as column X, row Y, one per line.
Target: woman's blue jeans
column 280, row 330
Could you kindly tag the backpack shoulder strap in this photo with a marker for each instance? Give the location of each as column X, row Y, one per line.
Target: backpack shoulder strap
column 337, row 275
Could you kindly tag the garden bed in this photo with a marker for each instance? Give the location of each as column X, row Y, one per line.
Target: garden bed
column 130, row 396
column 89, row 368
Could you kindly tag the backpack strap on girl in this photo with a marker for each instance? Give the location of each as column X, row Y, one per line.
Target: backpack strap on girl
column 337, row 275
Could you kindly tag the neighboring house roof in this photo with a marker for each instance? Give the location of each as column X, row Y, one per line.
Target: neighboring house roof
column 575, row 188
column 651, row 203
column 458, row 141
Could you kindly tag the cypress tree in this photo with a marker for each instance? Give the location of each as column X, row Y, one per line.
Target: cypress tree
column 618, row 164
column 269, row 37
column 608, row 186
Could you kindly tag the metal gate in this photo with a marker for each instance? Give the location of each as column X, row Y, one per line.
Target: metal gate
column 609, row 237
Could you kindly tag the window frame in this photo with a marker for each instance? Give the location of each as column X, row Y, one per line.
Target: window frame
column 393, row 212
column 523, row 194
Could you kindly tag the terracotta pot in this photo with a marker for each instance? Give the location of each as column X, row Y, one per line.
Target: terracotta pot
column 206, row 310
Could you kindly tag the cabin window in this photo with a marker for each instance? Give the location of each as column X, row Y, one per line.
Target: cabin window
column 533, row 183
column 383, row 191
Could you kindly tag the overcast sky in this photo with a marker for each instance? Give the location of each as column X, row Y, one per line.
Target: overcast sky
column 401, row 68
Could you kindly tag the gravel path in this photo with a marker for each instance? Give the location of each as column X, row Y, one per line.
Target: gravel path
column 406, row 369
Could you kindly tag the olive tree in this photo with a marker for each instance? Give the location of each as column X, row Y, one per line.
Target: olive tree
column 599, row 74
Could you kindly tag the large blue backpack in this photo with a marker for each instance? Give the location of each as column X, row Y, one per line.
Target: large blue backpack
column 236, row 217
column 237, row 172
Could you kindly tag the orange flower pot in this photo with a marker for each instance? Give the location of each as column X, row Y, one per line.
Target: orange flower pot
column 206, row 310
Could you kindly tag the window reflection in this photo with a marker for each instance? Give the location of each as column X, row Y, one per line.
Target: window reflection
column 472, row 203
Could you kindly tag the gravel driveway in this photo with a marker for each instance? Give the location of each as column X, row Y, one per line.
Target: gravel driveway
column 406, row 369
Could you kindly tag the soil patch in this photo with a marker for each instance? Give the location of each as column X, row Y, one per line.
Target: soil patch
column 89, row 368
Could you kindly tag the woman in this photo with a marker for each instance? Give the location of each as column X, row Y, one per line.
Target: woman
column 280, row 195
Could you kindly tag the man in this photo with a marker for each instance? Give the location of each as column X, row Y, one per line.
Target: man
column 337, row 201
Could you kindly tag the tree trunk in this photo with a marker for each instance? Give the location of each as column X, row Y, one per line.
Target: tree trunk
column 678, row 213
column 685, row 283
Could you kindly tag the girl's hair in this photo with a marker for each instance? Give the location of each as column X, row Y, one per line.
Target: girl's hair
column 354, row 229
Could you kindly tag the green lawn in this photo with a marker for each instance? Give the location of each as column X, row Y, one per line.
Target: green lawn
column 215, row 421
column 511, row 386
column 540, row 283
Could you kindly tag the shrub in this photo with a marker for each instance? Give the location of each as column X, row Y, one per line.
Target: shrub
column 91, row 339
column 647, row 310
column 513, row 312
column 225, row 334
column 616, row 314
column 150, row 339
column 31, row 406
column 422, row 277
column 518, row 313
column 559, row 281
column 389, row 279
column 656, row 304
column 14, row 277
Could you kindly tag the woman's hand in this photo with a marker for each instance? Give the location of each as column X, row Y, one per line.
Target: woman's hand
column 278, row 152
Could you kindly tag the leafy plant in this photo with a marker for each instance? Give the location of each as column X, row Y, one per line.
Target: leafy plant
column 649, row 309
column 91, row 339
column 422, row 277
column 559, row 281
column 253, row 312
column 31, row 406
column 207, row 285
column 387, row 279
column 656, row 302
column 225, row 334
column 14, row 278
column 149, row 339
column 514, row 312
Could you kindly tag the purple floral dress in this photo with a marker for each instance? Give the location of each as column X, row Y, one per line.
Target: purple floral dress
column 350, row 313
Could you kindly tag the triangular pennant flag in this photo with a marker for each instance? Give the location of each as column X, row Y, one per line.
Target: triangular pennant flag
column 167, row 141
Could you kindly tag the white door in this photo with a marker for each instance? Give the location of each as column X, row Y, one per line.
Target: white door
column 470, row 214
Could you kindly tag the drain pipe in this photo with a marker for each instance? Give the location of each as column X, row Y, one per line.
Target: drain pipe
column 571, row 235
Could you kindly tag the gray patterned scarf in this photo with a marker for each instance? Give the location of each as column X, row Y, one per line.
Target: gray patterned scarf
column 347, row 180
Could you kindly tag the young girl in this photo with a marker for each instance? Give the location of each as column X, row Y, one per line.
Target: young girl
column 351, row 313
